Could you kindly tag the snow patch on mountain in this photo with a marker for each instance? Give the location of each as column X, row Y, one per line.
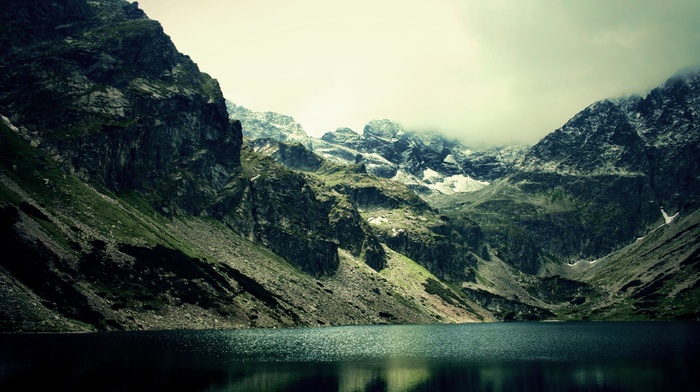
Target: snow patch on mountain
column 406, row 178
column 377, row 220
column 668, row 218
column 374, row 157
column 458, row 183
column 450, row 159
column 431, row 176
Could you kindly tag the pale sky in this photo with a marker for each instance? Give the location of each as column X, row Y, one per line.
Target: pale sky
column 491, row 71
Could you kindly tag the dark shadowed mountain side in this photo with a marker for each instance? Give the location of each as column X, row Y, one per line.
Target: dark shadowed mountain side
column 295, row 216
column 103, row 90
column 610, row 175
column 655, row 277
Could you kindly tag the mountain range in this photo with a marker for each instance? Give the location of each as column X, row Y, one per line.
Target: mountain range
column 134, row 196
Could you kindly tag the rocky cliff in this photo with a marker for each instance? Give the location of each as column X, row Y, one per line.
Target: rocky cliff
column 611, row 174
column 428, row 163
column 268, row 125
column 103, row 90
column 296, row 216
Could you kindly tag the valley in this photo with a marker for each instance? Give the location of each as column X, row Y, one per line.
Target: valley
column 134, row 196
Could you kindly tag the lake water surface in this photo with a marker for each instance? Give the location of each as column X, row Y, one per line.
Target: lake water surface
column 639, row 356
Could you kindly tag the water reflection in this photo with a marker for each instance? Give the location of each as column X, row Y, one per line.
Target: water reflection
column 487, row 377
column 494, row 357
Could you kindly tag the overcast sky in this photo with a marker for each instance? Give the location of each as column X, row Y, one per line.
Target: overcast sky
column 482, row 71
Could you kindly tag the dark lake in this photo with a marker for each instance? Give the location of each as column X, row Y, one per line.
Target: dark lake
column 634, row 356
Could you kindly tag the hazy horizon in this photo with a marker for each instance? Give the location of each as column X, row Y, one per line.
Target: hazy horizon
column 482, row 72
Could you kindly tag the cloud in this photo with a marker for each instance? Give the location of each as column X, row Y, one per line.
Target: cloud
column 496, row 71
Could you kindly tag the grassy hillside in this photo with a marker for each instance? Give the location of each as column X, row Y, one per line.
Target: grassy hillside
column 656, row 277
column 78, row 257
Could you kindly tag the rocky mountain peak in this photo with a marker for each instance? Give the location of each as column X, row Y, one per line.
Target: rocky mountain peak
column 623, row 134
column 344, row 136
column 688, row 75
column 384, row 128
column 425, row 161
column 611, row 174
column 598, row 140
column 263, row 125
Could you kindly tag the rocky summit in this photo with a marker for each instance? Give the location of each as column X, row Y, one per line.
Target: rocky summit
column 426, row 162
column 134, row 196
column 610, row 175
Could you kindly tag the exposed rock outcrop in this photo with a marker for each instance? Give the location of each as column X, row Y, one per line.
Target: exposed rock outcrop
column 296, row 216
column 607, row 177
column 427, row 162
column 102, row 88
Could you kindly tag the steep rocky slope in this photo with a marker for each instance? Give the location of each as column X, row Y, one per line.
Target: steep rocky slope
column 612, row 174
column 295, row 216
column 655, row 277
column 126, row 204
column 103, row 90
column 609, row 175
column 427, row 162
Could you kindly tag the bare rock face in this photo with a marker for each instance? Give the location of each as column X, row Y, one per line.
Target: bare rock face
column 427, row 162
column 268, row 125
column 295, row 215
column 607, row 177
column 104, row 91
column 655, row 137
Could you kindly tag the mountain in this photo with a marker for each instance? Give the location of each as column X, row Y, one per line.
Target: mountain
column 271, row 125
column 129, row 199
column 608, row 176
column 655, row 137
column 655, row 277
column 617, row 171
column 427, row 162
column 103, row 90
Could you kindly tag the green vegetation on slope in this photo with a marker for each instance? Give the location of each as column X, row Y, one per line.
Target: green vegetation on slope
column 91, row 259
